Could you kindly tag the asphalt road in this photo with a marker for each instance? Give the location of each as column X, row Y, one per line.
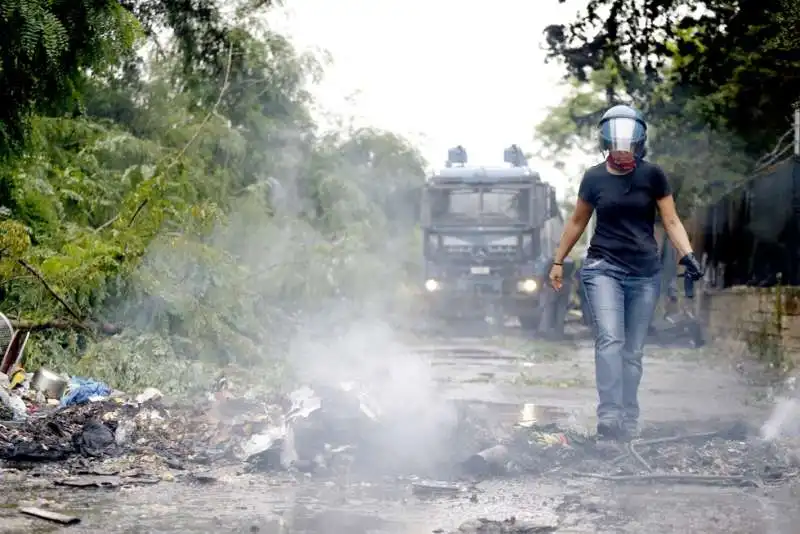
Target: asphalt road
column 682, row 389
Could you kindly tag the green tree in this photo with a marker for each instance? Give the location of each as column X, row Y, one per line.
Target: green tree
column 47, row 49
column 195, row 206
column 739, row 59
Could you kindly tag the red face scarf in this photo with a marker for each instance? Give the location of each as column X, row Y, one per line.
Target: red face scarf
column 621, row 161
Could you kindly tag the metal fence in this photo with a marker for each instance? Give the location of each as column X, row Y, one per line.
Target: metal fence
column 751, row 236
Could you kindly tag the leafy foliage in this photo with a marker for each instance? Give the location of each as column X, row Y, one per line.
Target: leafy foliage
column 717, row 81
column 47, row 49
column 197, row 207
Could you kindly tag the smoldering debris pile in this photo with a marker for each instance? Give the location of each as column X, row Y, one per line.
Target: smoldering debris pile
column 341, row 429
column 320, row 430
column 507, row 526
column 731, row 456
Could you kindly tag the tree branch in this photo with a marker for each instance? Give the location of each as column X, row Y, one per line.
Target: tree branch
column 65, row 324
column 179, row 156
column 28, row 267
column 223, row 90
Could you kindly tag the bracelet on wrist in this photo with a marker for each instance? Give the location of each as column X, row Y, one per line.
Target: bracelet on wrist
column 559, row 263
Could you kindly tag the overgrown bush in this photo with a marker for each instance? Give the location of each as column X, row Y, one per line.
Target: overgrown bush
column 203, row 218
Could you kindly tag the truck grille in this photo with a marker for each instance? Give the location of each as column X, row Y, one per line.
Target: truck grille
column 486, row 251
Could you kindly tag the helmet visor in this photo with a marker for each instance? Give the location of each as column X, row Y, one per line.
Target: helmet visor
column 622, row 135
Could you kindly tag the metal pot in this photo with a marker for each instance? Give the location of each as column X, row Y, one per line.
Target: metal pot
column 50, row 384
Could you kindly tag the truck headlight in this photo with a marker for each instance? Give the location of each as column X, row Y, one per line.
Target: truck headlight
column 527, row 286
column 431, row 285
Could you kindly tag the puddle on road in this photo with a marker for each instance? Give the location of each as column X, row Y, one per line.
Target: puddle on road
column 524, row 413
column 331, row 520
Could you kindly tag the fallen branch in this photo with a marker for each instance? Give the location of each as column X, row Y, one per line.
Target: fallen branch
column 136, row 213
column 179, row 156
column 632, row 450
column 222, row 91
column 66, row 324
column 672, row 439
column 28, row 267
column 659, row 441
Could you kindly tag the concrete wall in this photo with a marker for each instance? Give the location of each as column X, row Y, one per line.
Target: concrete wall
column 765, row 320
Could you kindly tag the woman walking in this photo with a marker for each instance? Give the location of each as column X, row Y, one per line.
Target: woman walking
column 621, row 274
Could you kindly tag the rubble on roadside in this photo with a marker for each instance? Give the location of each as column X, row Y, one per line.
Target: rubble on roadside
column 511, row 525
column 310, row 430
column 145, row 437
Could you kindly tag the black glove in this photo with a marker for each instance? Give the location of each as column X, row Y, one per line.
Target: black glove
column 693, row 268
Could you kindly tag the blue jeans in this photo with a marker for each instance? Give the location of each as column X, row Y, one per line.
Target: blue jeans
column 622, row 307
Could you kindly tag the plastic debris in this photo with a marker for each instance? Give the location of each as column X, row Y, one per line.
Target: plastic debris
column 83, row 390
column 149, row 394
column 96, row 439
column 18, row 378
column 491, row 461
column 50, row 516
column 13, row 405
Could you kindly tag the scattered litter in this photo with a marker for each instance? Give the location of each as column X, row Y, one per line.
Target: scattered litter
column 90, row 482
column 18, row 378
column 203, row 477
column 489, row 462
column 527, row 416
column 149, row 394
column 124, row 431
column 83, row 390
column 507, row 526
column 13, row 405
column 48, row 383
column 50, row 516
column 95, row 439
column 338, row 430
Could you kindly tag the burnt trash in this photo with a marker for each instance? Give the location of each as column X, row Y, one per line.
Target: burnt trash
column 96, row 439
column 54, row 436
column 12, row 407
column 26, row 451
column 268, row 451
column 508, row 526
column 49, row 515
column 493, row 461
column 90, row 481
column 321, row 430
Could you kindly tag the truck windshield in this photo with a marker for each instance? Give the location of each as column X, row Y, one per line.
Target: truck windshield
column 485, row 205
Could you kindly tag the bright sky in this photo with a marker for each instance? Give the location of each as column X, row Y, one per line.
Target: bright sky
column 441, row 72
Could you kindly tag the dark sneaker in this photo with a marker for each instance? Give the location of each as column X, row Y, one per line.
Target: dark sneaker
column 608, row 430
column 631, row 429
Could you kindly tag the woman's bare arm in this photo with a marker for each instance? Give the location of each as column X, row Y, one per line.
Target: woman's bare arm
column 573, row 229
column 673, row 226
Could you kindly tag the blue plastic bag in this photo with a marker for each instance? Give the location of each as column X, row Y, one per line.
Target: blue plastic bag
column 82, row 389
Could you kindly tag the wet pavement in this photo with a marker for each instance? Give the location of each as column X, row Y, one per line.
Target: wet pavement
column 495, row 377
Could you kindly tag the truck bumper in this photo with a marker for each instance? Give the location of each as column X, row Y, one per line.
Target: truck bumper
column 469, row 297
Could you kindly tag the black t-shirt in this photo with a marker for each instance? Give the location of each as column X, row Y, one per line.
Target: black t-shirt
column 626, row 213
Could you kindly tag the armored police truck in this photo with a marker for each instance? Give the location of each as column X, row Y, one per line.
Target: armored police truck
column 486, row 245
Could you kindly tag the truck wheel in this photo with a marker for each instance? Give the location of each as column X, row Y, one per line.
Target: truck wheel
column 528, row 322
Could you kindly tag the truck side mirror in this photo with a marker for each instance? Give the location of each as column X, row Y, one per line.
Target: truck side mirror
column 425, row 207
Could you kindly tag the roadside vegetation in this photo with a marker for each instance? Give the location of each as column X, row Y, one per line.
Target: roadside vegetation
column 168, row 205
column 718, row 81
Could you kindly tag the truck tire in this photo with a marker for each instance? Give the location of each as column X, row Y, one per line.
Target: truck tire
column 529, row 323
